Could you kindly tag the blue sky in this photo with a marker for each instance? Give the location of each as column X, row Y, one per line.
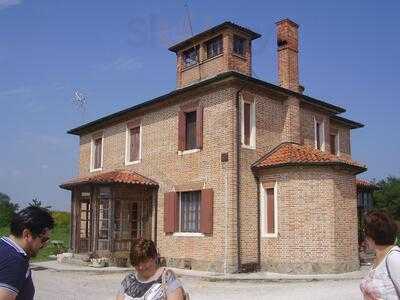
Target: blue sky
column 115, row 53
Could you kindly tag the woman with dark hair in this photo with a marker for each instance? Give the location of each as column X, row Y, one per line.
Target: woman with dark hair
column 383, row 280
column 149, row 281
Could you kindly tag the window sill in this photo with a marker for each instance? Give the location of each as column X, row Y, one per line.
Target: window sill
column 188, row 234
column 211, row 58
column 269, row 236
column 248, row 147
column 96, row 170
column 128, row 163
column 239, row 56
column 191, row 151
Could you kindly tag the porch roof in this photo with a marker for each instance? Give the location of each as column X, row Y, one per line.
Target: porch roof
column 287, row 154
column 117, row 176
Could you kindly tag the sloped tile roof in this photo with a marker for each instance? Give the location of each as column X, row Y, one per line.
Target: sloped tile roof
column 296, row 154
column 118, row 176
column 363, row 183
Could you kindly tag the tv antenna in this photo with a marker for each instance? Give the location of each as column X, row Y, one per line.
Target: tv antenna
column 79, row 100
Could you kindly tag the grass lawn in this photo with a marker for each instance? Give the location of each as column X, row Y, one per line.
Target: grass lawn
column 59, row 233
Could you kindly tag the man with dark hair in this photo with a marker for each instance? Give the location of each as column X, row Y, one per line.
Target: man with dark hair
column 30, row 230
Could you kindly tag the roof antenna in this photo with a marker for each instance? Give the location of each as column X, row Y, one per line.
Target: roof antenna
column 189, row 19
column 191, row 33
column 79, row 100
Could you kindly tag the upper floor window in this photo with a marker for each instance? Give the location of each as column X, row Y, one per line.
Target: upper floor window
column 319, row 134
column 190, row 128
column 96, row 161
column 269, row 209
column 191, row 56
column 133, row 142
column 214, row 47
column 248, row 123
column 334, row 141
column 238, row 45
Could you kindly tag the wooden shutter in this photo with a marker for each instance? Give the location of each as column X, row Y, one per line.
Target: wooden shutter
column 333, row 143
column 97, row 153
column 206, row 211
column 135, row 144
column 247, row 125
column 181, row 130
column 171, row 212
column 270, row 211
column 199, row 127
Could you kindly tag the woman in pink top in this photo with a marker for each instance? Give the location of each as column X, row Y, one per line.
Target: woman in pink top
column 383, row 280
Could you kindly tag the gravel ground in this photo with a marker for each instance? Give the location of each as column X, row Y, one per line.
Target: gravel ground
column 57, row 285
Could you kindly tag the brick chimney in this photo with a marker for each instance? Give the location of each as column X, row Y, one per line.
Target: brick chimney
column 288, row 58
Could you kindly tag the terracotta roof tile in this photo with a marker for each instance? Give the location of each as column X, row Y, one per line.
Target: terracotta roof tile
column 363, row 183
column 118, row 176
column 296, row 154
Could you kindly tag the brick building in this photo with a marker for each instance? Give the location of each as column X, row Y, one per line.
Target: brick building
column 226, row 172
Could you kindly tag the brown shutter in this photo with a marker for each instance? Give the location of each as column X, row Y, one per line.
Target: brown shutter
column 206, row 211
column 199, row 127
column 270, row 211
column 135, row 143
column 181, row 130
column 247, row 125
column 171, row 213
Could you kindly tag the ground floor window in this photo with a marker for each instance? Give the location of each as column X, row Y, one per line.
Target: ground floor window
column 190, row 211
column 269, row 213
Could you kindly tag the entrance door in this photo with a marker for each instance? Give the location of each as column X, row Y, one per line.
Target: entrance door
column 85, row 214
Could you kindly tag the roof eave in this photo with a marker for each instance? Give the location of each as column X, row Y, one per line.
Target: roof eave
column 334, row 109
column 358, row 169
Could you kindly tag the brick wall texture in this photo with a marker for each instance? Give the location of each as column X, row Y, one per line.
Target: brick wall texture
column 316, row 206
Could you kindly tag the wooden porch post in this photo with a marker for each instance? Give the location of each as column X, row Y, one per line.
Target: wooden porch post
column 155, row 210
column 72, row 220
column 111, row 220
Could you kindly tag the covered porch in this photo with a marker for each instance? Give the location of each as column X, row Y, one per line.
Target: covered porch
column 109, row 210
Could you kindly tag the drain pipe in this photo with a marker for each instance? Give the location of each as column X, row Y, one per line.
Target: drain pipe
column 238, row 142
column 258, row 223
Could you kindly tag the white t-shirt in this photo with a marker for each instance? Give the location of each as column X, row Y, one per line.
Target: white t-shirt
column 377, row 284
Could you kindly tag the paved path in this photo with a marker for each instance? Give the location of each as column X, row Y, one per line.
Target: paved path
column 79, row 285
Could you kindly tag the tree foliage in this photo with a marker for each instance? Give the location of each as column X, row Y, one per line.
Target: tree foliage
column 37, row 203
column 7, row 209
column 388, row 196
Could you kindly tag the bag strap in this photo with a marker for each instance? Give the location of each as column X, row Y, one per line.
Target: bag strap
column 390, row 276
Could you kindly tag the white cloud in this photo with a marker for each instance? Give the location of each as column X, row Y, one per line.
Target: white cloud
column 7, row 3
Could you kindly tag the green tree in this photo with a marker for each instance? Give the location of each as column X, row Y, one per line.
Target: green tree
column 37, row 203
column 7, row 208
column 388, row 196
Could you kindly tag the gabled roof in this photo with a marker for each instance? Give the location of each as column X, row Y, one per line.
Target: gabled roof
column 289, row 154
column 253, row 35
column 306, row 99
column 118, row 176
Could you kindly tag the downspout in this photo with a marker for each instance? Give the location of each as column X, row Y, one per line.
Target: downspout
column 258, row 224
column 238, row 142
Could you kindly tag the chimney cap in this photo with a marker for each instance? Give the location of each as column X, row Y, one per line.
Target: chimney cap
column 287, row 20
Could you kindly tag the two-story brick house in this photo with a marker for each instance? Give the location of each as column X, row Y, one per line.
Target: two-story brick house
column 225, row 171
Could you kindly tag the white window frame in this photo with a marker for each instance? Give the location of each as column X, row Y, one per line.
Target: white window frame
column 252, row 123
column 92, row 149
column 187, row 234
column 264, row 214
column 322, row 133
column 128, row 143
